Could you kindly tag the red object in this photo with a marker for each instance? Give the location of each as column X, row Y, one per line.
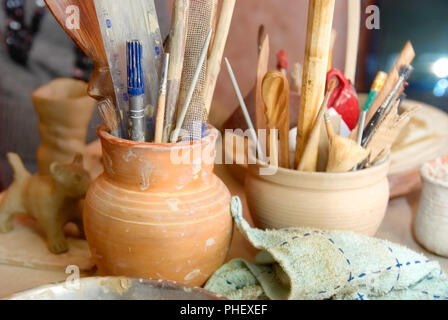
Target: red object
column 282, row 60
column 344, row 99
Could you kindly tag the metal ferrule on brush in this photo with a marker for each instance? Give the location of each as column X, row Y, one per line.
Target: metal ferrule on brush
column 136, row 90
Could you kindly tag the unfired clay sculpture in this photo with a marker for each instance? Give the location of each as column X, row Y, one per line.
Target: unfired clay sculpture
column 52, row 200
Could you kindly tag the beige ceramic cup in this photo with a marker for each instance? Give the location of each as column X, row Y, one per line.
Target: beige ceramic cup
column 431, row 222
column 353, row 201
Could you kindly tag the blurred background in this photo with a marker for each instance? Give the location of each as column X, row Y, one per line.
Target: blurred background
column 35, row 50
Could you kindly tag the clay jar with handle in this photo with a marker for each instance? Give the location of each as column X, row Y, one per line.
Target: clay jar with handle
column 158, row 211
column 353, row 201
column 64, row 111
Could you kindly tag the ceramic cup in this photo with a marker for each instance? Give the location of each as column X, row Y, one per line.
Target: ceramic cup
column 150, row 215
column 353, row 201
column 431, row 222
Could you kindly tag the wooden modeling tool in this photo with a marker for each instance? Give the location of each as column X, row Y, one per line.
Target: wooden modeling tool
column 320, row 21
column 158, row 135
column 406, row 56
column 88, row 38
column 344, row 154
column 353, row 30
column 176, row 48
column 275, row 93
column 243, row 106
column 310, row 157
column 217, row 50
column 183, row 112
column 262, row 69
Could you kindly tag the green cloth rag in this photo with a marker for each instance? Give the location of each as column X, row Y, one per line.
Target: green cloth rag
column 303, row 263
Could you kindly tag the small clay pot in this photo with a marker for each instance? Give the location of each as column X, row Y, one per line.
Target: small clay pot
column 353, row 201
column 431, row 222
column 148, row 216
column 64, row 111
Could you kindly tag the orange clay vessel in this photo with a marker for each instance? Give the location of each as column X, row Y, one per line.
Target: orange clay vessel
column 158, row 211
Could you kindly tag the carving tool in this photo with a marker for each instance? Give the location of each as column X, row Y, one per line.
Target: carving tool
column 406, row 56
column 376, row 87
column 245, row 111
column 275, row 92
column 404, row 74
column 217, row 50
column 176, row 48
column 318, row 40
column 136, row 90
column 158, row 135
column 181, row 117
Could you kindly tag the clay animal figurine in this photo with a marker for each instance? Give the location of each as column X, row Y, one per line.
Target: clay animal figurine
column 53, row 200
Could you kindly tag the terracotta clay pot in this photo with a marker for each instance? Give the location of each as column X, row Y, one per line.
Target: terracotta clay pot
column 64, row 111
column 354, row 201
column 148, row 216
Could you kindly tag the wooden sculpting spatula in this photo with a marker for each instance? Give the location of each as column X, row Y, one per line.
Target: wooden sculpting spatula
column 88, row 38
column 275, row 93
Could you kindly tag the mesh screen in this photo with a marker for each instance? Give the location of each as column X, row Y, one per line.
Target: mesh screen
column 199, row 24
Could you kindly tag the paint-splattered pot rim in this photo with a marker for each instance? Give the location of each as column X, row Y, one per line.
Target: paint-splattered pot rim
column 433, row 170
column 117, row 288
column 211, row 135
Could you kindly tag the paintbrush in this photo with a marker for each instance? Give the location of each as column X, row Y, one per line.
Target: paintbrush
column 245, row 111
column 107, row 112
column 183, row 112
column 136, row 90
column 275, row 92
column 376, row 87
column 404, row 74
column 176, row 48
column 318, row 41
column 405, row 58
column 158, row 135
column 217, row 50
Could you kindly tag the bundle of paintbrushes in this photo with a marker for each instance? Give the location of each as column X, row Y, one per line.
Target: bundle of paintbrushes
column 333, row 133
column 161, row 94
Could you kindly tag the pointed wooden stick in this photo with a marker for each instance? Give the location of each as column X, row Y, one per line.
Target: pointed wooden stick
column 262, row 69
column 320, row 21
column 217, row 51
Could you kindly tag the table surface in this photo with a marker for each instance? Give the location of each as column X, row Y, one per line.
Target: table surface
column 396, row 227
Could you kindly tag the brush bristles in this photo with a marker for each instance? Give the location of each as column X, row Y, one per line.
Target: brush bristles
column 107, row 112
